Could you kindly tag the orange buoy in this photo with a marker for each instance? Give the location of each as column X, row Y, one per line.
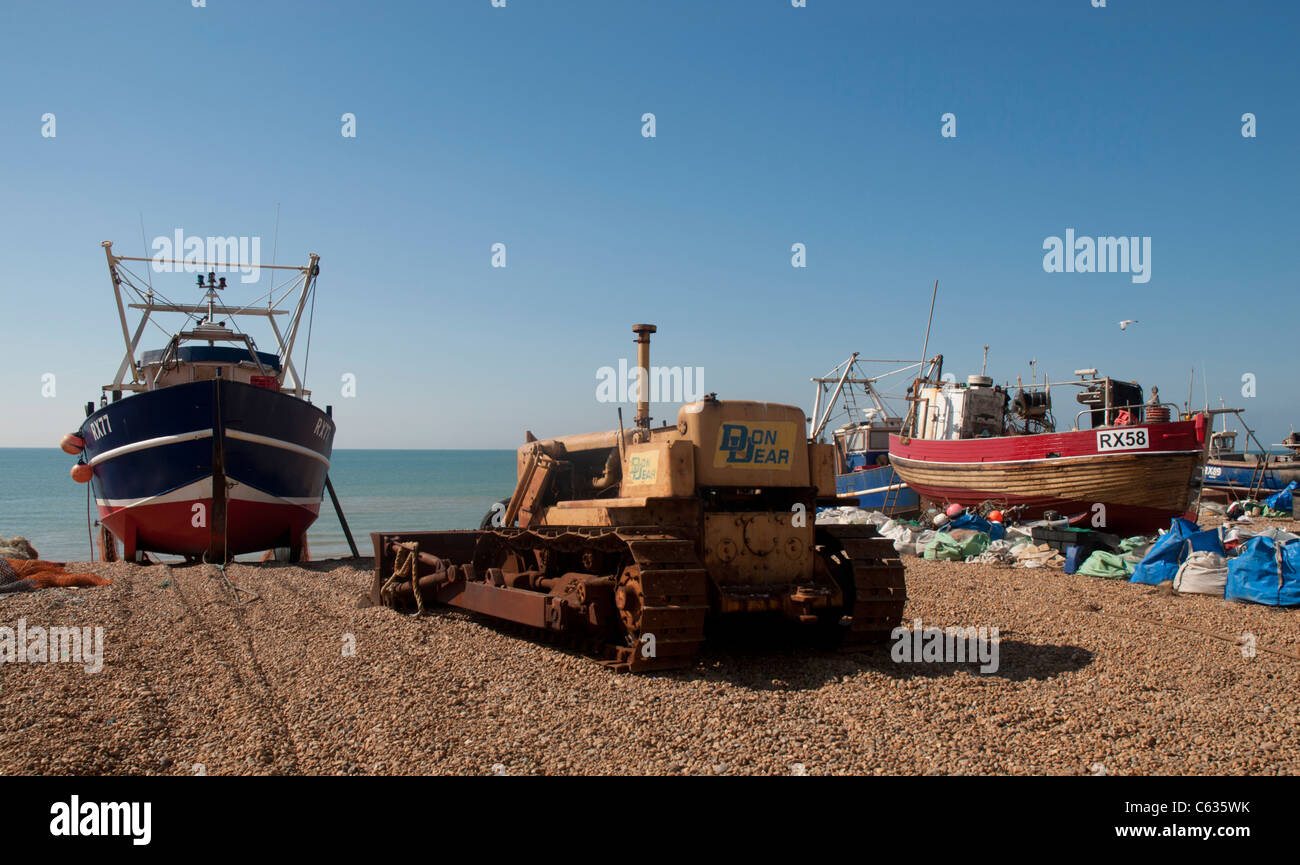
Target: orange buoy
column 995, row 516
column 72, row 444
column 82, row 473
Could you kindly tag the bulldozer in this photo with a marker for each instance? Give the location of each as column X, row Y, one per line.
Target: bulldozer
column 626, row 544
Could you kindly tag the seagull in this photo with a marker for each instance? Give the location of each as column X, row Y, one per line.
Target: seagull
column 1123, row 325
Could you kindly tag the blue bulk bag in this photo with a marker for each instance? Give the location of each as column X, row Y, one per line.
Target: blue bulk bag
column 1162, row 561
column 995, row 531
column 1208, row 541
column 1281, row 500
column 1265, row 573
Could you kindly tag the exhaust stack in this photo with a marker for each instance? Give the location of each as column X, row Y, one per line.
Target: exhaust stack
column 643, row 332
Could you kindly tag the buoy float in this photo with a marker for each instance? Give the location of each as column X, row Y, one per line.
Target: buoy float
column 81, row 473
column 940, row 520
column 954, row 510
column 995, row 516
column 72, row 444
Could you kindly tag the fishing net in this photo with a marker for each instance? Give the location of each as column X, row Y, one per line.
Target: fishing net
column 26, row 575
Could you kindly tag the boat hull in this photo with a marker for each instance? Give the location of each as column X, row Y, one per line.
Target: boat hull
column 159, row 456
column 878, row 488
column 1235, row 479
column 1139, row 489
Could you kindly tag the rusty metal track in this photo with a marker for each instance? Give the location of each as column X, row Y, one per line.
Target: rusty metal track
column 641, row 603
column 653, row 620
column 879, row 591
column 663, row 602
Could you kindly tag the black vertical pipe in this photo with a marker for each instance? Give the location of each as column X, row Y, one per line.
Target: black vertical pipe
column 217, row 525
column 343, row 521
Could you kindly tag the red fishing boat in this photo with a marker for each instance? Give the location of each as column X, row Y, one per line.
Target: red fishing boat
column 1123, row 465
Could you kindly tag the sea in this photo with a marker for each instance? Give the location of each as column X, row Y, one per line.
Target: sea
column 380, row 490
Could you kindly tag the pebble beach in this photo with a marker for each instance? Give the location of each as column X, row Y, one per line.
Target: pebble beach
column 276, row 670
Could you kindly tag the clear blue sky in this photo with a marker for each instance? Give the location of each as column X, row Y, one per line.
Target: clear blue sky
column 775, row 125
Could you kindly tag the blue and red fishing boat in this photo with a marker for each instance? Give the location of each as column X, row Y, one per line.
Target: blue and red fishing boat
column 863, row 476
column 1231, row 474
column 208, row 447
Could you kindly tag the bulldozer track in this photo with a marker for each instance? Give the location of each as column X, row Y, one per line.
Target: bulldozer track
column 673, row 587
column 662, row 587
column 658, row 572
column 869, row 565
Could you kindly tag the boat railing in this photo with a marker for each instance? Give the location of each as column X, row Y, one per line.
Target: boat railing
column 1116, row 409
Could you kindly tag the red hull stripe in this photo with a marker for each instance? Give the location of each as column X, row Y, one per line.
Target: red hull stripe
column 171, row 528
column 1172, row 437
column 986, row 462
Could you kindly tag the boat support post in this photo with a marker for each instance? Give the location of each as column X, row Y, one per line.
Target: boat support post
column 343, row 521
column 217, row 531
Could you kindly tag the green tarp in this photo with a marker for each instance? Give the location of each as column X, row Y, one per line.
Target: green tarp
column 1111, row 566
column 946, row 548
column 1128, row 545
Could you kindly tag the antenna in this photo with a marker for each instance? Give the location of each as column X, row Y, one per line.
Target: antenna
column 148, row 270
column 275, row 248
column 1205, row 382
column 925, row 346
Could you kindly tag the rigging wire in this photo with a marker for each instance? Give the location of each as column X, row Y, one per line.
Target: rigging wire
column 145, row 244
column 126, row 280
column 291, row 281
column 311, row 319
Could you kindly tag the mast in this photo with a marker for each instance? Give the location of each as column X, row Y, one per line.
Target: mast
column 821, row 424
column 817, row 423
column 925, row 347
column 308, row 284
column 206, row 305
column 128, row 362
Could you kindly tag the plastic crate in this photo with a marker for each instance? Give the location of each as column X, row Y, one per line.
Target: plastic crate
column 1061, row 539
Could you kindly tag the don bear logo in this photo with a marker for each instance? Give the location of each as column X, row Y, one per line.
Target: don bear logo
column 643, row 468
column 757, row 445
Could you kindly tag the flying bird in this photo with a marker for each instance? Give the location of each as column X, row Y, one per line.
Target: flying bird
column 1123, row 325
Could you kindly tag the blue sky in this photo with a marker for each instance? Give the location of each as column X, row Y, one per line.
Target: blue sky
column 775, row 125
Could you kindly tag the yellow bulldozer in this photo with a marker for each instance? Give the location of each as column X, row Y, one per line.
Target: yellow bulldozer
column 627, row 543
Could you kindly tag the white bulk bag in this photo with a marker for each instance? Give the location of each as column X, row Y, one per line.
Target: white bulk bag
column 1203, row 573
